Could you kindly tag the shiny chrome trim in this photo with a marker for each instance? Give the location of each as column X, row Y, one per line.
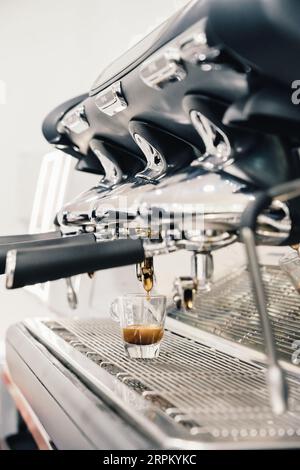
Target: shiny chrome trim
column 212, row 205
column 156, row 164
column 193, row 45
column 111, row 101
column 74, row 121
column 217, row 146
column 167, row 65
column 112, row 171
column 11, row 261
column 162, row 69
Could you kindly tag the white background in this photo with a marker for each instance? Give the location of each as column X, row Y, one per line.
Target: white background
column 51, row 51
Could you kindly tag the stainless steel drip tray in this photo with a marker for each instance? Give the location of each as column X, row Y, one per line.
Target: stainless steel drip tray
column 195, row 395
column 229, row 312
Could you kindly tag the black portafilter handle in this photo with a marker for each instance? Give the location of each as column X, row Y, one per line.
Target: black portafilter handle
column 37, row 265
column 39, row 243
column 30, row 237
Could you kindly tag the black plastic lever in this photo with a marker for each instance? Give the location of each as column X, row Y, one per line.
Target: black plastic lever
column 31, row 266
column 39, row 243
column 29, row 237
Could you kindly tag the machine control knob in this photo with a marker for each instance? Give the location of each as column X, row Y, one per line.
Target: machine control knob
column 111, row 101
column 163, row 69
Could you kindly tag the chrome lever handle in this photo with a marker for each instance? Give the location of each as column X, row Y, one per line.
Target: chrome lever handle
column 113, row 174
column 275, row 375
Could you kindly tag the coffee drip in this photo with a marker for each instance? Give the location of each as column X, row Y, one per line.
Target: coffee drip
column 144, row 334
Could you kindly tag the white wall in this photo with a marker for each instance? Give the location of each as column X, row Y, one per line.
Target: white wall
column 50, row 51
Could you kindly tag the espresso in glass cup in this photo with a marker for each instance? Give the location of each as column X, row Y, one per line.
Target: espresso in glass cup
column 142, row 320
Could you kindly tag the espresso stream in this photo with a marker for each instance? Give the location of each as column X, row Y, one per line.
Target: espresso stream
column 143, row 334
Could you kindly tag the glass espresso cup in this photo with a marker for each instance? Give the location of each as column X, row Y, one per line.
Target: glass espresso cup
column 142, row 322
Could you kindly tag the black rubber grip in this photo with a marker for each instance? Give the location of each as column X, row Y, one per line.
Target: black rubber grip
column 39, row 265
column 29, row 237
column 84, row 238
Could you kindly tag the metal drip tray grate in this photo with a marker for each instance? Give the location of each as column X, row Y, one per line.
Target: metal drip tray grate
column 229, row 311
column 206, row 395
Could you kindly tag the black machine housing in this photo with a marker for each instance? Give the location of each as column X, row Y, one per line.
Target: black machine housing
column 245, row 90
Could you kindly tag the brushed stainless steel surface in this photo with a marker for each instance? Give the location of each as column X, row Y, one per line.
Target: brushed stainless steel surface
column 209, row 398
column 73, row 416
column 229, row 311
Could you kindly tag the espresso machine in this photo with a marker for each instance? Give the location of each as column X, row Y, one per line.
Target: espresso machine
column 195, row 139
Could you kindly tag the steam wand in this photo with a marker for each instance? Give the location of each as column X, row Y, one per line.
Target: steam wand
column 276, row 377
